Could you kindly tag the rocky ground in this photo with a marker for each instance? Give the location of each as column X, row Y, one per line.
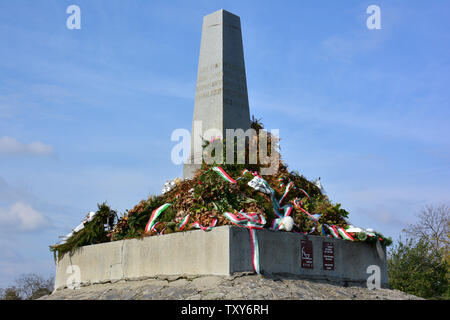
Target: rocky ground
column 241, row 286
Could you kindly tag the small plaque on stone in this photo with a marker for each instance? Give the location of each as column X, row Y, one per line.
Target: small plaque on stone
column 328, row 256
column 307, row 254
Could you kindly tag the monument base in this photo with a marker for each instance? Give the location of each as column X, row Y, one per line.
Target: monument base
column 222, row 251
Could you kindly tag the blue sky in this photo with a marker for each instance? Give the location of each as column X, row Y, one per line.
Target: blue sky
column 86, row 115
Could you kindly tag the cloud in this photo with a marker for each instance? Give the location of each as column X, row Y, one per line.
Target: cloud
column 10, row 146
column 23, row 217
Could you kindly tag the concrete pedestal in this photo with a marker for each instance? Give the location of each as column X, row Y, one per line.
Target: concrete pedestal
column 222, row 251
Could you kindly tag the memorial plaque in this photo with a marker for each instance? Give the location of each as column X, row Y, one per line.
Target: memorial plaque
column 328, row 256
column 307, row 254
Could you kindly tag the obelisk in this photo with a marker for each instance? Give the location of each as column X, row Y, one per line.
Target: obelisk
column 221, row 98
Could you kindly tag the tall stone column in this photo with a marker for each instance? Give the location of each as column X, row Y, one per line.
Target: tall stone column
column 221, row 98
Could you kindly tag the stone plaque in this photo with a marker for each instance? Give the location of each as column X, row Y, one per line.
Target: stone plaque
column 328, row 255
column 307, row 254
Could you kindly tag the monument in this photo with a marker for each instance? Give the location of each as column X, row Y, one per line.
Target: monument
column 221, row 98
column 324, row 250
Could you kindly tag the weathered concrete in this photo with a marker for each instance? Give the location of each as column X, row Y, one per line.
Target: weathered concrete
column 280, row 252
column 221, row 99
column 223, row 251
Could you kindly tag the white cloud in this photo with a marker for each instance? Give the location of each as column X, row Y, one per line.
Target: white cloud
column 10, row 146
column 23, row 217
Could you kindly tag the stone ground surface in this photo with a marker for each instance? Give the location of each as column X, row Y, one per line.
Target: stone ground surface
column 241, row 286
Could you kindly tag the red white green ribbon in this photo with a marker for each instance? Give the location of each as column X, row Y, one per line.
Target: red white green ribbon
column 276, row 223
column 298, row 204
column 344, row 234
column 334, row 232
column 183, row 223
column 305, row 193
column 199, row 226
column 288, row 188
column 156, row 230
column 224, row 175
column 250, row 221
column 154, row 226
column 155, row 214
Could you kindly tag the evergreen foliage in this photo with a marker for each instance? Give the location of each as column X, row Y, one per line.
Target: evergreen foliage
column 416, row 267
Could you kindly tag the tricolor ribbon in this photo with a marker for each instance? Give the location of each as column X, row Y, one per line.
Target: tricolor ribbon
column 197, row 225
column 250, row 221
column 155, row 214
column 277, row 223
column 244, row 172
column 288, row 188
column 183, row 222
column 156, row 230
column 276, row 205
column 344, row 234
column 333, row 231
column 223, row 174
column 305, row 193
column 298, row 204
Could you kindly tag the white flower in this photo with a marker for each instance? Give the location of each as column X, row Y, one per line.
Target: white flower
column 287, row 223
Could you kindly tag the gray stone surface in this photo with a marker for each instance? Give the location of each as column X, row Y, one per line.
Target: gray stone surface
column 221, row 99
column 221, row 252
column 240, row 286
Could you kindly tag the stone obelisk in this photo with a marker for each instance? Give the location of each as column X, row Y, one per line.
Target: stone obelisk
column 221, row 98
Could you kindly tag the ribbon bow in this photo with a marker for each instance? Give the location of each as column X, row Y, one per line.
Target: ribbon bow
column 250, row 221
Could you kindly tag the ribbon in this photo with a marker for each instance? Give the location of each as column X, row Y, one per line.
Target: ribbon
column 333, row 231
column 359, row 233
column 224, row 175
column 244, row 172
column 183, row 223
column 298, row 204
column 155, row 215
column 250, row 221
column 283, row 222
column 322, row 230
column 344, row 234
column 155, row 230
column 362, row 234
column 288, row 188
column 305, row 193
column 197, row 225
